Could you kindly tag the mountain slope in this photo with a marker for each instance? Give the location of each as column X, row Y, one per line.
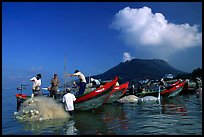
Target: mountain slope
column 137, row 69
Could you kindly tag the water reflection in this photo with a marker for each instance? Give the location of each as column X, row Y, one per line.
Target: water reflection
column 174, row 106
column 114, row 116
column 90, row 123
column 70, row 128
column 51, row 127
column 181, row 115
column 199, row 96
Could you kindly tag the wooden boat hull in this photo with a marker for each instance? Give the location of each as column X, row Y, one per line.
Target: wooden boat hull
column 189, row 87
column 147, row 93
column 95, row 98
column 117, row 92
column 171, row 91
column 153, row 92
column 87, row 101
column 20, row 98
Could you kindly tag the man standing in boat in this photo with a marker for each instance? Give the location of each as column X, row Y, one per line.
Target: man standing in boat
column 82, row 84
column 36, row 85
column 162, row 83
column 54, row 86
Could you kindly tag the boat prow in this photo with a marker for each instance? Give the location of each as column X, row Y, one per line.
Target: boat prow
column 117, row 92
column 95, row 98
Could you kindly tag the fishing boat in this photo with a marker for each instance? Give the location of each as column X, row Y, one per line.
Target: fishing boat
column 117, row 92
column 192, row 85
column 95, row 98
column 153, row 90
column 20, row 97
column 150, row 98
column 172, row 90
column 90, row 100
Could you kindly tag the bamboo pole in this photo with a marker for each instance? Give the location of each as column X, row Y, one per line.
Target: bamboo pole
column 65, row 78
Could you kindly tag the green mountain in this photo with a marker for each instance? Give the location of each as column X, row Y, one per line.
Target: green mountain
column 138, row 69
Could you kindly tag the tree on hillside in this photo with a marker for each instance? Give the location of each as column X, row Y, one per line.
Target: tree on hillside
column 196, row 73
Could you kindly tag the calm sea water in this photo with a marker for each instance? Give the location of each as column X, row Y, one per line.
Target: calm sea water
column 181, row 115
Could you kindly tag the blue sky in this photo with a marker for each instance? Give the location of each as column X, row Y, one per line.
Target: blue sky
column 96, row 36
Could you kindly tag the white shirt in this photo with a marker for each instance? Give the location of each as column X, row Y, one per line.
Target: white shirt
column 97, row 81
column 81, row 76
column 36, row 82
column 69, row 101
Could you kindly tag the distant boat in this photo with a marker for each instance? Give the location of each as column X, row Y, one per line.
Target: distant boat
column 170, row 91
column 191, row 86
column 174, row 90
column 150, row 98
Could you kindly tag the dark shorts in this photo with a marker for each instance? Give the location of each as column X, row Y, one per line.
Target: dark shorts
column 37, row 93
column 71, row 113
column 82, row 87
column 53, row 93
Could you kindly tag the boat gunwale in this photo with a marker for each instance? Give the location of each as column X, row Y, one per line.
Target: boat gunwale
column 96, row 92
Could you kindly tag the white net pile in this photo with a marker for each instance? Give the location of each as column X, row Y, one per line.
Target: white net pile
column 41, row 108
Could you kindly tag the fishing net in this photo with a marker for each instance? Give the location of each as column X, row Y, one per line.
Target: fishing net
column 41, row 108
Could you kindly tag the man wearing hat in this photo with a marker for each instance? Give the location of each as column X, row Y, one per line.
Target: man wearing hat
column 54, row 86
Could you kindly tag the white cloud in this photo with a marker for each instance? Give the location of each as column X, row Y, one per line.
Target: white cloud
column 141, row 27
column 126, row 56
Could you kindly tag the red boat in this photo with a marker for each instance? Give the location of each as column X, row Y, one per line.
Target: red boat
column 95, row 98
column 23, row 96
column 174, row 90
column 117, row 92
column 170, row 91
column 174, row 84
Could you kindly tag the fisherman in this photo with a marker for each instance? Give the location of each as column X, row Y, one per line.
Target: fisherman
column 36, row 85
column 54, row 86
column 75, row 88
column 198, row 82
column 162, row 83
column 139, row 87
column 82, row 84
column 132, row 90
column 69, row 99
column 95, row 83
